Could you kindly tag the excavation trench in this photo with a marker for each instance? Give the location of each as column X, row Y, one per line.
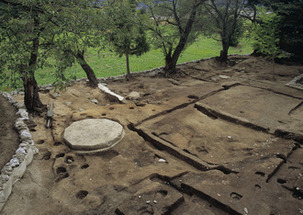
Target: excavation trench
column 184, row 105
column 189, row 190
column 177, row 152
column 214, row 114
column 283, row 161
column 274, row 91
column 236, row 120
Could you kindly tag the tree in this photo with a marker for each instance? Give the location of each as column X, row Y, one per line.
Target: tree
column 172, row 22
column 290, row 22
column 80, row 26
column 226, row 15
column 127, row 33
column 30, row 32
column 291, row 27
column 21, row 39
column 266, row 36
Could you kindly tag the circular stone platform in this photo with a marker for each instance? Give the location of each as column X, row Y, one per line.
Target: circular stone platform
column 93, row 135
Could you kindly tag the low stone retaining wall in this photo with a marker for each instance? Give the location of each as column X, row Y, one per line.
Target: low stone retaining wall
column 15, row 168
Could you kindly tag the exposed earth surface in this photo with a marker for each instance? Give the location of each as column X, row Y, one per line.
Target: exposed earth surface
column 212, row 139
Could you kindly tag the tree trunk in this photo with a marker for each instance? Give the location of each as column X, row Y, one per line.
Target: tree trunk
column 93, row 81
column 224, row 52
column 170, row 64
column 31, row 91
column 171, row 60
column 31, row 94
column 128, row 75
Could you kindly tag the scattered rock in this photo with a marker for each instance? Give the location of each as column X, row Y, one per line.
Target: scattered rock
column 110, row 93
column 151, row 74
column 215, row 79
column 140, row 103
column 161, row 160
column 133, row 96
column 224, row 76
column 55, row 95
column 95, row 101
column 174, row 82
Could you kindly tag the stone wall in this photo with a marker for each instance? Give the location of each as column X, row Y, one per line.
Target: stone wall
column 15, row 168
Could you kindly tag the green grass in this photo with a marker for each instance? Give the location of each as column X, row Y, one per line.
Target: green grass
column 107, row 64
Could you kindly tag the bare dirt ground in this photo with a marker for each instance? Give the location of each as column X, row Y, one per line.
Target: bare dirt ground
column 213, row 139
column 9, row 140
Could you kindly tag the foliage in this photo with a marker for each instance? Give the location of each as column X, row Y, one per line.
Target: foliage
column 65, row 29
column 265, row 34
column 79, row 27
column 291, row 28
column 34, row 30
column 290, row 22
column 127, row 34
column 28, row 27
column 225, row 21
column 172, row 26
column 238, row 33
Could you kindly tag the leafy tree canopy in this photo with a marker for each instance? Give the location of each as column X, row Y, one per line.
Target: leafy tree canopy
column 173, row 26
column 127, row 32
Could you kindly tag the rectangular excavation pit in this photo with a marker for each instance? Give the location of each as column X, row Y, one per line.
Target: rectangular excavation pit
column 214, row 143
column 261, row 108
column 239, row 160
column 247, row 197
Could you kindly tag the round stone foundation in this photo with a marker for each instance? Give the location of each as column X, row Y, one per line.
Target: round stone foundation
column 93, row 135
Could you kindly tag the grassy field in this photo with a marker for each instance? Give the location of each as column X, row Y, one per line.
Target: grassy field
column 107, row 64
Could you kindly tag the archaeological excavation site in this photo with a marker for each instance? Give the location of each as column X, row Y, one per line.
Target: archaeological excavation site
column 211, row 139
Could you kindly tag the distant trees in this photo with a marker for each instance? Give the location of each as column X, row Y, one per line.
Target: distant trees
column 171, row 27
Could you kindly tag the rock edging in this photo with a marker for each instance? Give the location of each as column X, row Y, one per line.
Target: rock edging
column 294, row 83
column 15, row 168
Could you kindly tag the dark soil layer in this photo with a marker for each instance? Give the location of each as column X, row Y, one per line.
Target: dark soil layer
column 9, row 139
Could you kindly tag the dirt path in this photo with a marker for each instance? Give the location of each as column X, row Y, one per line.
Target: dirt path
column 211, row 140
column 9, row 139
